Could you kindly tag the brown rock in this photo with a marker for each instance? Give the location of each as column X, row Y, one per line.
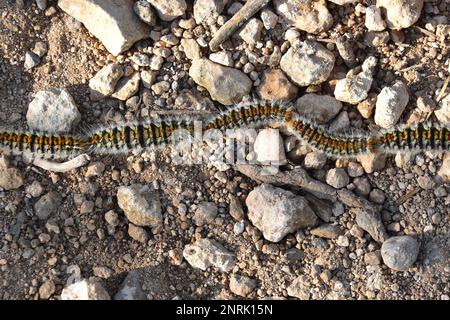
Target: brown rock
column 276, row 86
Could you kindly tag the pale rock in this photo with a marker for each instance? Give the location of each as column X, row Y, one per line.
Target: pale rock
column 400, row 253
column 205, row 213
column 315, row 160
column 299, row 289
column 354, row 169
column 127, row 87
column 341, row 123
column 376, row 39
column 46, row 290
column 343, row 2
column 40, row 48
column 443, row 113
column 320, row 108
column 105, row 81
column 131, row 288
column 148, row 78
column 251, row 32
column 367, row 106
column 160, row 87
column 269, row 147
column 426, row 104
column 31, row 60
column 225, row 85
column 140, row 204
column 355, row 88
column 337, row 178
column 169, row 10
column 277, row 212
column 191, row 49
column 207, row 11
column 308, row 63
column 84, row 290
column 444, row 171
column 311, row 16
column 113, row 22
column 401, row 14
column 53, row 110
column 391, row 102
column 141, row 59
column 10, row 178
column 328, row 231
column 205, row 253
column 269, row 19
column 241, row 285
column 374, row 20
column 222, row 57
column 372, row 162
column 137, row 233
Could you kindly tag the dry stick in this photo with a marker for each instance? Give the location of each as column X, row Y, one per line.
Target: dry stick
column 245, row 13
column 79, row 161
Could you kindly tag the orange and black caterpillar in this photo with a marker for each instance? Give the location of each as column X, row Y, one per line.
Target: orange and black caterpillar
column 123, row 138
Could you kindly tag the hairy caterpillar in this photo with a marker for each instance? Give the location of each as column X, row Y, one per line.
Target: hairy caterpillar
column 123, row 138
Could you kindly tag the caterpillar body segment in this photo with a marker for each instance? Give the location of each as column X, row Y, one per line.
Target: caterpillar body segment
column 42, row 145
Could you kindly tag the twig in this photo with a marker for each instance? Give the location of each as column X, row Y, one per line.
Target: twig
column 245, row 13
column 77, row 162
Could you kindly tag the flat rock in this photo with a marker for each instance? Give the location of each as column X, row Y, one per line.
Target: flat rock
column 277, row 212
column 372, row 162
column 329, row 231
column 169, row 10
column 400, row 253
column 113, row 22
column 140, row 204
column 47, row 205
column 269, row 147
column 205, row 213
column 311, row 16
column 337, row 178
column 251, row 31
column 207, row 11
column 53, row 110
column 225, row 85
column 241, row 285
column 205, row 253
column 401, row 14
column 307, row 63
column 320, row 108
column 391, row 102
column 127, row 87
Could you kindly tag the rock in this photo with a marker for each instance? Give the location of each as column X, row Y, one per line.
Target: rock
column 343, row 2
column 276, row 86
column 355, row 88
column 113, row 22
column 315, row 160
column 236, row 210
column 251, row 32
column 206, row 252
column 205, row 213
column 31, row 60
column 131, row 288
column 105, row 81
column 137, row 233
column 53, row 110
column 401, row 14
column 127, row 87
column 191, row 49
column 10, row 178
column 311, row 16
column 374, row 20
column 299, row 289
column 277, row 212
column 35, row 189
column 329, row 231
column 362, row 186
column 95, row 169
column 317, row 107
column 169, row 10
column 369, row 220
column 47, row 205
column 148, row 78
column 269, row 147
column 391, row 103
column 426, row 104
column 340, row 123
column 141, row 59
column 372, row 162
column 102, row 272
column 400, row 253
column 160, row 87
column 373, row 258
column 426, row 182
column 337, row 178
column 366, row 107
column 41, row 4
column 84, row 290
column 443, row 113
column 444, row 171
column 376, row 39
column 269, row 19
column 343, row 241
column 46, row 290
column 222, row 57
column 40, row 49
column 112, row 218
column 156, row 63
column 355, row 169
column 308, row 63
column 377, row 196
column 207, row 11
column 225, row 85
column 145, row 12
column 140, row 204
column 241, row 285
